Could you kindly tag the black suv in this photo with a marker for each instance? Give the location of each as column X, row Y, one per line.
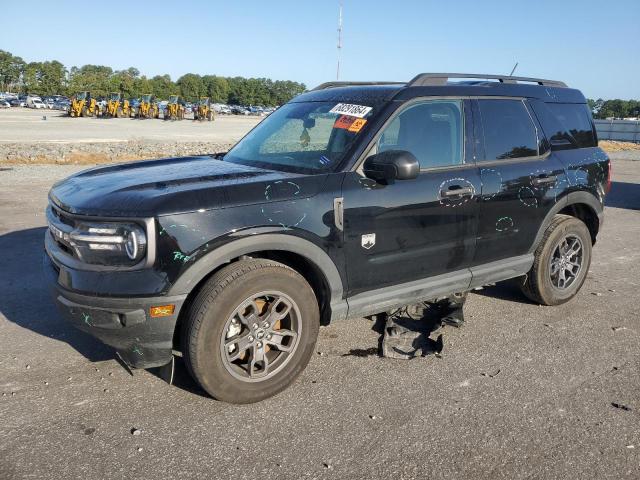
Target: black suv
column 350, row 200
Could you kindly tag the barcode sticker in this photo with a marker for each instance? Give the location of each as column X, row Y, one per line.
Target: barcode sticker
column 351, row 110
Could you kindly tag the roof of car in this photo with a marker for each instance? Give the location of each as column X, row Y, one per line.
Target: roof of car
column 444, row 84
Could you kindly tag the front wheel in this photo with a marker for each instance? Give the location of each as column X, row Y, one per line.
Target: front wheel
column 561, row 262
column 250, row 331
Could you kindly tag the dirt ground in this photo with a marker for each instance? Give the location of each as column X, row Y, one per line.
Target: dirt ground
column 25, row 125
column 48, row 136
column 521, row 391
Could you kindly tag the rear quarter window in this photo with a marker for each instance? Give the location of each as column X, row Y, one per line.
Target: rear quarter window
column 575, row 122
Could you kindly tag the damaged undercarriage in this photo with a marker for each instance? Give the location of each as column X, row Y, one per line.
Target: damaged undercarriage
column 408, row 330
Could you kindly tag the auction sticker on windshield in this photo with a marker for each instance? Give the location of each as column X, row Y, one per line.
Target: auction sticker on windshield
column 351, row 124
column 351, row 110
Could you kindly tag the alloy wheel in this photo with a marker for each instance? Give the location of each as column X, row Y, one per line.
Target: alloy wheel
column 261, row 336
column 566, row 262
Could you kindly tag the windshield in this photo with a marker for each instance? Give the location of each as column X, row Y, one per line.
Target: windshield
column 173, row 99
column 81, row 95
column 146, row 98
column 307, row 137
column 115, row 97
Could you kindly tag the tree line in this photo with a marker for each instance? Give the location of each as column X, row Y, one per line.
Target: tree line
column 53, row 78
column 614, row 108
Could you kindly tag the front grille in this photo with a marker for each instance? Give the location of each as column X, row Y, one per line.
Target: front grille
column 60, row 226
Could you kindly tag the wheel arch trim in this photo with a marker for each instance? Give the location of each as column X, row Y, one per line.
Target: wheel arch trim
column 255, row 243
column 573, row 198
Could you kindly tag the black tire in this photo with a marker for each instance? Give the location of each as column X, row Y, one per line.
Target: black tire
column 206, row 329
column 538, row 285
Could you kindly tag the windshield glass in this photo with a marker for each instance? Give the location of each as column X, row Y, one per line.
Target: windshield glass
column 81, row 95
column 173, row 99
column 307, row 137
column 115, row 97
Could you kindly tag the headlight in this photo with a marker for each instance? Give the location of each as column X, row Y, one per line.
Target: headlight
column 109, row 243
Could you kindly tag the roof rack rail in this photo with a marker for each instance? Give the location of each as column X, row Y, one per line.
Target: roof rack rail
column 433, row 79
column 326, row 85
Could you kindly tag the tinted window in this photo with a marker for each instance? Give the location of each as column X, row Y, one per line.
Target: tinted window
column 575, row 123
column 432, row 131
column 508, row 130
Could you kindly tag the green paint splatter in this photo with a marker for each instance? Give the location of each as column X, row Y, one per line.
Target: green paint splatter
column 179, row 256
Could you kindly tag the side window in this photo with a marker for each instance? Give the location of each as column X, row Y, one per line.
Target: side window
column 575, row 120
column 509, row 131
column 433, row 131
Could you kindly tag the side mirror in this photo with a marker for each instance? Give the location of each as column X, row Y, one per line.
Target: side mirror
column 392, row 165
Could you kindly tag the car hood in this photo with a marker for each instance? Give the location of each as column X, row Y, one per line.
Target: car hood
column 176, row 185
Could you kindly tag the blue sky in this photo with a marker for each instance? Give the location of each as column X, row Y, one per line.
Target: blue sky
column 590, row 44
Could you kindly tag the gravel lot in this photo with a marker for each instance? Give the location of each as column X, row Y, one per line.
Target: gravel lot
column 25, row 137
column 521, row 391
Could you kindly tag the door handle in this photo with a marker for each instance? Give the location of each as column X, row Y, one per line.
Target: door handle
column 459, row 191
column 544, row 179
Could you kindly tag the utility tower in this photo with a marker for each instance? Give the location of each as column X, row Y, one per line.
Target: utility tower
column 339, row 39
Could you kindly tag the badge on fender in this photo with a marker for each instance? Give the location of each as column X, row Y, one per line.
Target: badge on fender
column 368, row 240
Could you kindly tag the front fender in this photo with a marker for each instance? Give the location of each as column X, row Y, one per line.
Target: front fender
column 267, row 241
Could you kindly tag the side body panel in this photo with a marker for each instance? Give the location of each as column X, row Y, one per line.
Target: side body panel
column 416, row 233
column 411, row 230
column 516, row 196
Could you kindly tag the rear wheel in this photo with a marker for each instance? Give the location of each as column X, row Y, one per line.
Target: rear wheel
column 561, row 262
column 250, row 331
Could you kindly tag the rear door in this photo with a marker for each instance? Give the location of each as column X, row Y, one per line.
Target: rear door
column 520, row 178
column 415, row 229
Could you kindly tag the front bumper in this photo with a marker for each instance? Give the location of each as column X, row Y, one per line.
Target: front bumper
column 122, row 323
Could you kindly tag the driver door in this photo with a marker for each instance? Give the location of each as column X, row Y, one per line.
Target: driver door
column 416, row 229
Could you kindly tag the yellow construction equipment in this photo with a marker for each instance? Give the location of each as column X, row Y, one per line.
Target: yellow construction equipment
column 204, row 110
column 148, row 108
column 117, row 106
column 175, row 108
column 82, row 105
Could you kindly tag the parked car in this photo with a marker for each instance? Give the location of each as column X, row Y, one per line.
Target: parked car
column 239, row 110
column 62, row 105
column 4, row 104
column 34, row 101
column 348, row 201
column 15, row 103
column 221, row 108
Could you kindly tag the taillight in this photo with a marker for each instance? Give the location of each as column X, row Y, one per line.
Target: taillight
column 608, row 189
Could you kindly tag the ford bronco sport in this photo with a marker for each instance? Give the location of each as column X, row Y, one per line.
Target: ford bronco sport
column 350, row 200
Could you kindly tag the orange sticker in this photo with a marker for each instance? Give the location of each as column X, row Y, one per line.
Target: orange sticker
column 344, row 122
column 357, row 125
